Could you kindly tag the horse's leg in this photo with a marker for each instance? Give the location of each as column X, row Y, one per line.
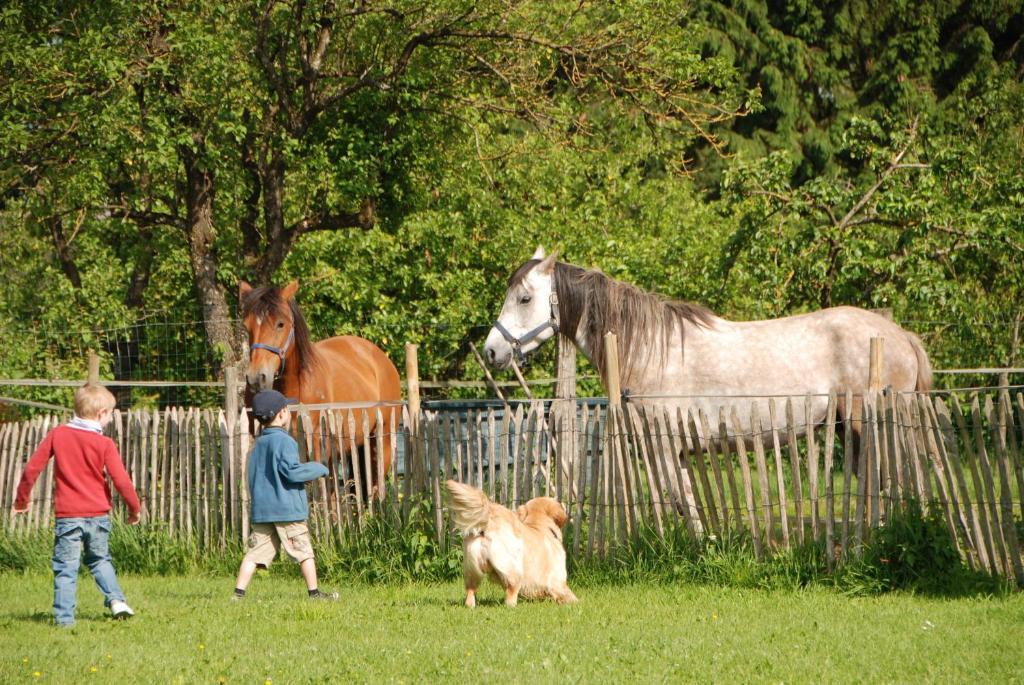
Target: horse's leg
column 357, row 470
column 682, row 495
column 691, row 503
column 856, row 417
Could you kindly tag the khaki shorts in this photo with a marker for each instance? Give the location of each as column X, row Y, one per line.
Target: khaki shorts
column 267, row 539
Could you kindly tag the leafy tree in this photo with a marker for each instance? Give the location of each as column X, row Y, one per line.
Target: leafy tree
column 237, row 130
column 932, row 226
column 402, row 159
column 440, row 278
column 820, row 64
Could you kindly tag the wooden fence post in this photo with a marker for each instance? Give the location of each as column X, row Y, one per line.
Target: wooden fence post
column 615, row 447
column 611, row 356
column 564, row 413
column 612, row 453
column 232, row 443
column 94, row 368
column 231, row 394
column 875, row 366
column 412, row 380
column 412, row 446
column 565, row 387
column 872, row 420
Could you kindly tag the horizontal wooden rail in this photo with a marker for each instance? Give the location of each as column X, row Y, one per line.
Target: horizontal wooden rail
column 34, row 405
column 64, row 383
column 69, row 383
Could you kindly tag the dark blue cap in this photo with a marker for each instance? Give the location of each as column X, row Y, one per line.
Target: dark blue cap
column 267, row 403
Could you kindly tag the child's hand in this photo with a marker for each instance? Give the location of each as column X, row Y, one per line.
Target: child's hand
column 134, row 518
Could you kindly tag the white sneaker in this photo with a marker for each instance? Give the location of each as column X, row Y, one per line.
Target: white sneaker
column 120, row 609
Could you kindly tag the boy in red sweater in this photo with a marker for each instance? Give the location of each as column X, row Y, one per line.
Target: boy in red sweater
column 83, row 458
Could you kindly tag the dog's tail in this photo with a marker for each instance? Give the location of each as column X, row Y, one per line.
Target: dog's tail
column 469, row 506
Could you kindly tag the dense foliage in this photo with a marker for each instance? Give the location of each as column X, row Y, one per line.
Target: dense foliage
column 401, row 159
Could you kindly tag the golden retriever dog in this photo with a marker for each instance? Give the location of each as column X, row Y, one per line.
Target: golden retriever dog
column 522, row 552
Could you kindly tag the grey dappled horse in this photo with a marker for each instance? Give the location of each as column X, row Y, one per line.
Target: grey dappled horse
column 682, row 356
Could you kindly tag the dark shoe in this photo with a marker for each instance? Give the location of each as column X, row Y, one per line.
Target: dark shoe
column 324, row 595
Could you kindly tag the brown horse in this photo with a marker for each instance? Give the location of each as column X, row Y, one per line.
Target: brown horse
column 345, row 368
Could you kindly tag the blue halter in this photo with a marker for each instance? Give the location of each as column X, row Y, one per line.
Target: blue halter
column 517, row 343
column 279, row 351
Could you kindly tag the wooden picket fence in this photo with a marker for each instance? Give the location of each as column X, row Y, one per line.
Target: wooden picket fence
column 765, row 478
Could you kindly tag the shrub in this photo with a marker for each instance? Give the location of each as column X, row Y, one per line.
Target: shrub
column 391, row 547
column 914, row 551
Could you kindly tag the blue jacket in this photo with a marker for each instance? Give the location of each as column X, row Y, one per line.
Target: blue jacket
column 277, row 481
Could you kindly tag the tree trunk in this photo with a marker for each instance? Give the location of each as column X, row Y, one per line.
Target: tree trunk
column 278, row 242
column 220, row 332
column 63, row 248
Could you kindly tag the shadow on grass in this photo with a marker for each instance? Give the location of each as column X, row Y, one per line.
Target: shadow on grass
column 32, row 617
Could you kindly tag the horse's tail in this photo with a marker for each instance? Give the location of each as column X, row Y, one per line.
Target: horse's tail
column 470, row 507
column 924, row 367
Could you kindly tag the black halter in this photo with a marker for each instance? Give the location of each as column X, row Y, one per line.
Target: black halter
column 279, row 351
column 517, row 343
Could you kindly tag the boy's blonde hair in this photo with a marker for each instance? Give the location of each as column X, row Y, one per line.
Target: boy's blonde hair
column 91, row 399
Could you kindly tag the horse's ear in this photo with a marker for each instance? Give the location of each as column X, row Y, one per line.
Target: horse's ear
column 547, row 267
column 288, row 292
column 243, row 289
column 539, row 253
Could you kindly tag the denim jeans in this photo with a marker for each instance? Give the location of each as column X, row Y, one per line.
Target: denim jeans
column 70, row 536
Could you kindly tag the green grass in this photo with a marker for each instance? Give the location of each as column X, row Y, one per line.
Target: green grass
column 188, row 631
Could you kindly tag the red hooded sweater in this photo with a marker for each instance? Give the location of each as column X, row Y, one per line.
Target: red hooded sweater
column 82, row 461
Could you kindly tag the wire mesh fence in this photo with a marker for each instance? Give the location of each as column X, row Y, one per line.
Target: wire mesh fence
column 150, row 363
column 149, row 349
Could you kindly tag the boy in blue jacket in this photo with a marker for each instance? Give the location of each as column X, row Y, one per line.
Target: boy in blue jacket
column 277, row 494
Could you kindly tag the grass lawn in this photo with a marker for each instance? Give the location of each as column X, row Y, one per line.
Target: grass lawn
column 188, row 631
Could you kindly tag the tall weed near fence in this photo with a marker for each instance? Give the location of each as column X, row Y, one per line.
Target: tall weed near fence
column 762, row 490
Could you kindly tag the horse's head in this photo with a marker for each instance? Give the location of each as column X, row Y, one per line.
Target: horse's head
column 270, row 318
column 529, row 316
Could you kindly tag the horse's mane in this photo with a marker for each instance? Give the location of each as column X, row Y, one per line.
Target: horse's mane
column 265, row 301
column 643, row 321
